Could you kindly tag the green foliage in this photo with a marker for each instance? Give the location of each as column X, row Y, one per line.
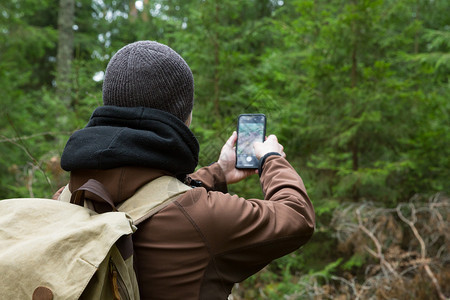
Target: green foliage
column 356, row 261
column 267, row 285
column 356, row 91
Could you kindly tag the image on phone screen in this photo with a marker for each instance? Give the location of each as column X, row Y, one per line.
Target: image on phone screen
column 251, row 128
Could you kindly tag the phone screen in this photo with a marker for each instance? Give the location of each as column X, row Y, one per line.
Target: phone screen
column 251, row 128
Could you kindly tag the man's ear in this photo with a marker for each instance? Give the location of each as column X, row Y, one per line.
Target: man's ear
column 189, row 120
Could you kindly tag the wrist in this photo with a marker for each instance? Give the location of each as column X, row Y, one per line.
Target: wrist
column 263, row 160
column 222, row 166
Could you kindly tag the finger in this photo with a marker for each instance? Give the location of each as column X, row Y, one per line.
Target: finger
column 250, row 172
column 232, row 139
column 273, row 138
column 256, row 145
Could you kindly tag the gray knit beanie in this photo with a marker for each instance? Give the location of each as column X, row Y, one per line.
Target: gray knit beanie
column 149, row 74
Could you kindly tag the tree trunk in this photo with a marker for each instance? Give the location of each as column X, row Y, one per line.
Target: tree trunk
column 416, row 34
column 132, row 14
column 217, row 64
column 64, row 57
column 354, row 74
column 145, row 11
column 354, row 81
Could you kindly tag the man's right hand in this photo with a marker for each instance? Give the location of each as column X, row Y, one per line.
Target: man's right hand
column 270, row 145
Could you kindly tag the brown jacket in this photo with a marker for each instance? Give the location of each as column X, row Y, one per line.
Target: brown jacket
column 207, row 240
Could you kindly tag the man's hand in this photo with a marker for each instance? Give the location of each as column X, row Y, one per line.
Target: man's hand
column 270, row 145
column 227, row 161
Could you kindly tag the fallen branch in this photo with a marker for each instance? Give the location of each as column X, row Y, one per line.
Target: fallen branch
column 379, row 253
column 423, row 249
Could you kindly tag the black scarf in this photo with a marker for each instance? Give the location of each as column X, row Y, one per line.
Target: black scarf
column 132, row 136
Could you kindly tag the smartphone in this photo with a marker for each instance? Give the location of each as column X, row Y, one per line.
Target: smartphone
column 250, row 128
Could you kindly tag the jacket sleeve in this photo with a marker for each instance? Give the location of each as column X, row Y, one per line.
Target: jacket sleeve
column 245, row 235
column 212, row 178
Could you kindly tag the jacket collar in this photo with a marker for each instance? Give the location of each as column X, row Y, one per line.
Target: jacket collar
column 121, row 183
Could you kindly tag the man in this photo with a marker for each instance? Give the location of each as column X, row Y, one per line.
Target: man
column 206, row 240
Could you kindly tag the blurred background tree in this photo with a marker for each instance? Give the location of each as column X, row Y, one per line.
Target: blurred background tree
column 357, row 92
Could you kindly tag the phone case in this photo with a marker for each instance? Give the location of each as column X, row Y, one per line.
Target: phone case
column 247, row 159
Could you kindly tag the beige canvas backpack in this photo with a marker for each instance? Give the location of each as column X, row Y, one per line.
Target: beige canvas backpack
column 53, row 249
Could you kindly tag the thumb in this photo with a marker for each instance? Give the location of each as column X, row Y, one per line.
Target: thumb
column 232, row 140
column 259, row 148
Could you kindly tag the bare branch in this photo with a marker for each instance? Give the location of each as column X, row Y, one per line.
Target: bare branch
column 27, row 137
column 379, row 252
column 22, row 146
column 423, row 250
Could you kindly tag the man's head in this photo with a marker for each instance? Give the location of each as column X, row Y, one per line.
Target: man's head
column 152, row 75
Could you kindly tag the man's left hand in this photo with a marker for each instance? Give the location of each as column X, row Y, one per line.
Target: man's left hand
column 227, row 161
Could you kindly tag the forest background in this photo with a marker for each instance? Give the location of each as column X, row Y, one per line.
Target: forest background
column 357, row 91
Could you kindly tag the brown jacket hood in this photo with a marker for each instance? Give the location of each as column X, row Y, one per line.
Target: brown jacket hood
column 121, row 183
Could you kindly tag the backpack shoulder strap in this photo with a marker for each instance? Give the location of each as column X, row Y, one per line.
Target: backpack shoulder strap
column 153, row 197
column 65, row 194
